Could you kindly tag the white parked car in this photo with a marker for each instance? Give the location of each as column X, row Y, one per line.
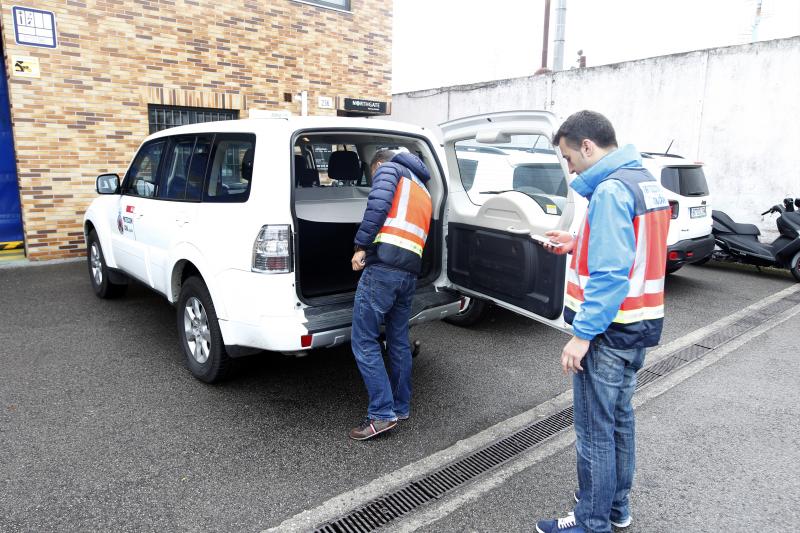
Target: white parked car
column 233, row 224
column 690, row 239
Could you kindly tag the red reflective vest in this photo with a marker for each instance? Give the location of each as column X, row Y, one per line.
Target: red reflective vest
column 639, row 318
column 409, row 219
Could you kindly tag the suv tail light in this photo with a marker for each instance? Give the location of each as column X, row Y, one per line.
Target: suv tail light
column 673, row 204
column 272, row 250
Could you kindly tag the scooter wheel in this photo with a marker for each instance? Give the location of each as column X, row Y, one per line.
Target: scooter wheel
column 794, row 266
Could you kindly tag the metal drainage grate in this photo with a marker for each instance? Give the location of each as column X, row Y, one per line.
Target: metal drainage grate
column 389, row 507
column 433, row 486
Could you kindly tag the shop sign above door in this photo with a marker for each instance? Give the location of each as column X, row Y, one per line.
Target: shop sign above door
column 34, row 27
column 363, row 106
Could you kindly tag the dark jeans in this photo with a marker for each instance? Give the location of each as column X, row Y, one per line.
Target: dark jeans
column 384, row 296
column 605, row 431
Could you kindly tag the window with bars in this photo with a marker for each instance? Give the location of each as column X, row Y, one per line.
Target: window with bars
column 162, row 117
column 335, row 4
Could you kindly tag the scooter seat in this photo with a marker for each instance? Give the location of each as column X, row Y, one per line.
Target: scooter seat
column 725, row 224
column 750, row 245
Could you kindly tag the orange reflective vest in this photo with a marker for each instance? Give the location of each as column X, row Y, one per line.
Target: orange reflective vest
column 640, row 316
column 409, row 219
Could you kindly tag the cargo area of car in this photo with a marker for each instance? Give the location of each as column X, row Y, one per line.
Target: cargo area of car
column 324, row 240
column 330, row 196
column 324, row 234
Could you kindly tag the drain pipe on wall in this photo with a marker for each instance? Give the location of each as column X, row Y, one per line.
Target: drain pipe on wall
column 303, row 103
column 558, row 42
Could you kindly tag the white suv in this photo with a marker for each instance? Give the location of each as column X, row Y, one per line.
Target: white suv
column 690, row 239
column 247, row 227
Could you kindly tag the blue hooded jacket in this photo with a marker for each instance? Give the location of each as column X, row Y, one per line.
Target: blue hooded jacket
column 379, row 203
column 611, row 205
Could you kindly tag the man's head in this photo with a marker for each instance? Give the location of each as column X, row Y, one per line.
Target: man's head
column 380, row 157
column 584, row 139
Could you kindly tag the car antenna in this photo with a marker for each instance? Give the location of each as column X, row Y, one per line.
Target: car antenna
column 670, row 146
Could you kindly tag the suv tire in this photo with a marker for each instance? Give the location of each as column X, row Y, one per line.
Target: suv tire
column 199, row 333
column 470, row 315
column 99, row 273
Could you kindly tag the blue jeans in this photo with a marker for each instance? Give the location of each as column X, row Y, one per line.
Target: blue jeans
column 384, row 296
column 604, row 427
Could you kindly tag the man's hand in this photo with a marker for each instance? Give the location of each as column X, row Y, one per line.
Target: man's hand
column 564, row 237
column 572, row 354
column 358, row 260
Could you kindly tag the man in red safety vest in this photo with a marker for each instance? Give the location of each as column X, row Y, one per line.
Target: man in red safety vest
column 615, row 303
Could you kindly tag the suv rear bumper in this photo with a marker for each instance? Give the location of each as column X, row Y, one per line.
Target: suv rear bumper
column 689, row 251
column 325, row 326
column 331, row 327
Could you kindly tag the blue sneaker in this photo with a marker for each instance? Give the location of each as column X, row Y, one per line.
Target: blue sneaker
column 562, row 525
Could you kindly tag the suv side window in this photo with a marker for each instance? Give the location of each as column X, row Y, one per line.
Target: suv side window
column 185, row 167
column 176, row 168
column 142, row 177
column 231, row 168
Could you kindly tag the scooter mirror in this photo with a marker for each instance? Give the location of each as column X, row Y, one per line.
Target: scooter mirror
column 788, row 204
column 797, row 202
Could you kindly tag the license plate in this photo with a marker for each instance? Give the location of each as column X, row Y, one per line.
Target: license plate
column 697, row 212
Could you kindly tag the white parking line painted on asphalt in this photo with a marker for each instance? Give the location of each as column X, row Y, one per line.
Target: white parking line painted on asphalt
column 359, row 496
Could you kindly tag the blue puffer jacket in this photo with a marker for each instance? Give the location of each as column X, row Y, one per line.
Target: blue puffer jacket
column 384, row 185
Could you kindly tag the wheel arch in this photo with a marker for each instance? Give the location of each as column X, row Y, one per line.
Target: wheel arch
column 188, row 261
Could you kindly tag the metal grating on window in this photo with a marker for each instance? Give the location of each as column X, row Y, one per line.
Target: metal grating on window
column 162, row 117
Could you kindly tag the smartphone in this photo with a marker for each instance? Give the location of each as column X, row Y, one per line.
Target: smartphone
column 545, row 240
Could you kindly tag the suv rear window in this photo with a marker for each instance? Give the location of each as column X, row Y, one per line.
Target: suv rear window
column 686, row 181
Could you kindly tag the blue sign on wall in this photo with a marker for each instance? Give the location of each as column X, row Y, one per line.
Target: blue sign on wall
column 34, row 27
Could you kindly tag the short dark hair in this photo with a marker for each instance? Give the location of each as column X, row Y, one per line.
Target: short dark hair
column 587, row 125
column 382, row 156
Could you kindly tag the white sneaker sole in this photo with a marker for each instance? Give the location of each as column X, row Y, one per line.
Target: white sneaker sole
column 619, row 525
column 384, row 430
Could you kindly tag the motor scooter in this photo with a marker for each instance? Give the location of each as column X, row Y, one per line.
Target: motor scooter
column 739, row 242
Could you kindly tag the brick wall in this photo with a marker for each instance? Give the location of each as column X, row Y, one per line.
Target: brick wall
column 87, row 113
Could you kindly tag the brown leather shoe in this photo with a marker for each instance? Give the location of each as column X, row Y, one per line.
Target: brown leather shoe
column 369, row 428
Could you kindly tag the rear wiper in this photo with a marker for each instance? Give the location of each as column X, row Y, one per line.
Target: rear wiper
column 497, row 192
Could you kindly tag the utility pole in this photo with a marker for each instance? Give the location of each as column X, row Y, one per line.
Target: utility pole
column 558, row 42
column 756, row 21
column 546, row 32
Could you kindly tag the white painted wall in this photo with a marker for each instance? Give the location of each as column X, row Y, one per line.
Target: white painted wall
column 737, row 109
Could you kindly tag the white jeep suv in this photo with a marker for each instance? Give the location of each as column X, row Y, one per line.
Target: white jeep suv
column 690, row 239
column 247, row 227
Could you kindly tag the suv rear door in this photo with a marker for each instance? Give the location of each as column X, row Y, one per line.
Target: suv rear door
column 688, row 183
column 506, row 182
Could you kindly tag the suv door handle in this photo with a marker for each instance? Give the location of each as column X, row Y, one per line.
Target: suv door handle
column 518, row 231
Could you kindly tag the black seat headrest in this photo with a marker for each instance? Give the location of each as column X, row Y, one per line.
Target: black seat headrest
column 304, row 176
column 344, row 165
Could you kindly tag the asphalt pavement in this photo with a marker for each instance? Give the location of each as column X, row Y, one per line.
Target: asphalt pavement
column 102, row 427
column 716, row 453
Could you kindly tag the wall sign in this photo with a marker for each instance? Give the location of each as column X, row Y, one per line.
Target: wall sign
column 25, row 66
column 34, row 27
column 325, row 102
column 363, row 106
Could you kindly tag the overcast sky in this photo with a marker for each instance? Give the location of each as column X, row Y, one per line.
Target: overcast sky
column 449, row 42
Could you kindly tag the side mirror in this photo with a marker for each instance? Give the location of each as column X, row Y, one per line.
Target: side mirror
column 107, row 184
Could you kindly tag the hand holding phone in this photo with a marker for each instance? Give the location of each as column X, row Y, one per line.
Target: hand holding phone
column 544, row 240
